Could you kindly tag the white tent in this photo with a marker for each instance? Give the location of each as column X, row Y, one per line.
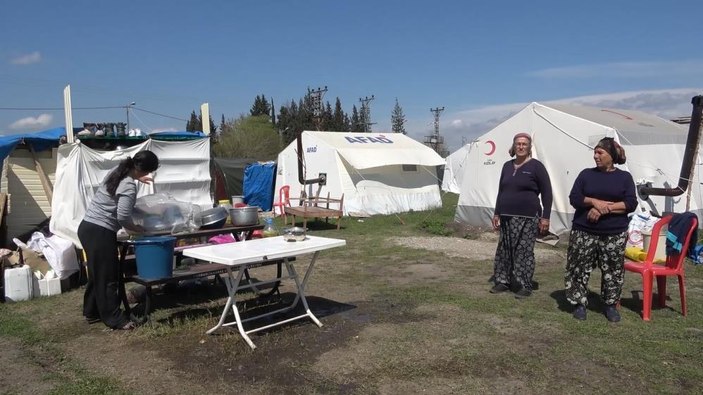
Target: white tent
column 378, row 173
column 184, row 172
column 563, row 138
column 454, row 169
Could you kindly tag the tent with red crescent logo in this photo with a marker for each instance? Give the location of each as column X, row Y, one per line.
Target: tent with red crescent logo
column 563, row 137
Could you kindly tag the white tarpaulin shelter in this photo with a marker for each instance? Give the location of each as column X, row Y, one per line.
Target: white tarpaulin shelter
column 563, row 137
column 454, row 169
column 378, row 173
column 184, row 172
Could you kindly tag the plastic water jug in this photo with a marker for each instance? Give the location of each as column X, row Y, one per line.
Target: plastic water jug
column 18, row 284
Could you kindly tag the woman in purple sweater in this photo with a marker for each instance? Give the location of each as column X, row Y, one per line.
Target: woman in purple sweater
column 602, row 196
column 519, row 217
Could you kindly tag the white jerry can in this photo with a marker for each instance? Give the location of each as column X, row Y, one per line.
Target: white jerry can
column 19, row 283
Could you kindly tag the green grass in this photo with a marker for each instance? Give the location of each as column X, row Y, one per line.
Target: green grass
column 405, row 332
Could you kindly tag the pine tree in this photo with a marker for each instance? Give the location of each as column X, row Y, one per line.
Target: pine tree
column 273, row 113
column 338, row 115
column 398, row 119
column 193, row 124
column 260, row 106
column 356, row 125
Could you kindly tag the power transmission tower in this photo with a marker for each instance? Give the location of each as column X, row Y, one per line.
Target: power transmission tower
column 437, row 111
column 366, row 113
column 435, row 141
column 316, row 98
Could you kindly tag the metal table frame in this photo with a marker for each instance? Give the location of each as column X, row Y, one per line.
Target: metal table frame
column 240, row 233
column 240, row 257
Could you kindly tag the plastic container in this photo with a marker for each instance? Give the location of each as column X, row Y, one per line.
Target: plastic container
column 19, row 284
column 154, row 256
column 660, row 254
column 269, row 229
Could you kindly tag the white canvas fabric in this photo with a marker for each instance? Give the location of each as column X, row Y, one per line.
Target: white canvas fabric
column 563, row 137
column 378, row 173
column 184, row 173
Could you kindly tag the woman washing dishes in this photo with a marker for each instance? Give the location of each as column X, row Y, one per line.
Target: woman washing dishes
column 109, row 210
column 602, row 196
column 519, row 216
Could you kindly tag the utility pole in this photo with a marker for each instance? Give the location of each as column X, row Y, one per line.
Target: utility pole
column 437, row 111
column 435, row 141
column 316, row 98
column 366, row 113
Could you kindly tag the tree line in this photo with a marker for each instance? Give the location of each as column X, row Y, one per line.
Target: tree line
column 263, row 133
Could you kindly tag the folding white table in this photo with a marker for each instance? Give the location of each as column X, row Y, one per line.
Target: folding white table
column 249, row 254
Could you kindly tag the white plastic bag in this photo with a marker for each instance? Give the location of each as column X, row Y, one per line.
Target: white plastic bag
column 639, row 222
column 60, row 253
column 160, row 212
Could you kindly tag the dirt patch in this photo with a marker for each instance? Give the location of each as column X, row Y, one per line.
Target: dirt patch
column 20, row 374
column 479, row 249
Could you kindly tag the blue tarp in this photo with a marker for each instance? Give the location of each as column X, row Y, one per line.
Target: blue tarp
column 48, row 139
column 259, row 181
column 39, row 141
column 177, row 135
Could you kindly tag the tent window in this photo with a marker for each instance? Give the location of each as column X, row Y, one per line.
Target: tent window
column 409, row 167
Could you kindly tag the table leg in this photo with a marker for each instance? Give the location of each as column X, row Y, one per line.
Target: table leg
column 121, row 288
column 232, row 284
column 301, row 286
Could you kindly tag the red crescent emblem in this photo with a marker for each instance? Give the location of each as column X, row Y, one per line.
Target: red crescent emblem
column 492, row 148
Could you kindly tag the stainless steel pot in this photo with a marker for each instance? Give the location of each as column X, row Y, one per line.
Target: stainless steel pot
column 244, row 216
column 295, row 233
column 212, row 218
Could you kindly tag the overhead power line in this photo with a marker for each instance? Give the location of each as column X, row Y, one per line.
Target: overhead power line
column 57, row 108
column 87, row 108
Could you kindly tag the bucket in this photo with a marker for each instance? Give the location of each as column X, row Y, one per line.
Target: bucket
column 660, row 254
column 154, row 255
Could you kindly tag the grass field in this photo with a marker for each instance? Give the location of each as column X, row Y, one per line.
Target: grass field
column 397, row 320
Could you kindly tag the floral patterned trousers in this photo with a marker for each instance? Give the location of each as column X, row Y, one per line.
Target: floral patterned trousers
column 515, row 254
column 585, row 252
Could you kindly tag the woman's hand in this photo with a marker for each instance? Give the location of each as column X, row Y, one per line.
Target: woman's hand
column 496, row 222
column 593, row 215
column 543, row 226
column 146, row 179
column 602, row 206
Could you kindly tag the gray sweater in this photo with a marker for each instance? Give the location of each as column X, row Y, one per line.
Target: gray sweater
column 113, row 212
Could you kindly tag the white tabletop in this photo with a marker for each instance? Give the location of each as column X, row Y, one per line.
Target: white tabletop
column 250, row 251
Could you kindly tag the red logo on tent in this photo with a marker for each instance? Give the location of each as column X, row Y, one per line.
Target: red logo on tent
column 492, row 148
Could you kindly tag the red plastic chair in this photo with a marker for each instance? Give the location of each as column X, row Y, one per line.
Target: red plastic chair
column 283, row 202
column 674, row 266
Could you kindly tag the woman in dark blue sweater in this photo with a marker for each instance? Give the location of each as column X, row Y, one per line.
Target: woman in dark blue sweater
column 602, row 197
column 519, row 217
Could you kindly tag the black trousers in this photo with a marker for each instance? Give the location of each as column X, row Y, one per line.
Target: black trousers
column 101, row 299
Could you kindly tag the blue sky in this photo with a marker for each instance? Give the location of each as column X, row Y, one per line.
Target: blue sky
column 481, row 61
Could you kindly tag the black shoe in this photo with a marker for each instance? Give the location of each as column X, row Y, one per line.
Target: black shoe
column 498, row 288
column 580, row 312
column 611, row 313
column 92, row 320
column 523, row 293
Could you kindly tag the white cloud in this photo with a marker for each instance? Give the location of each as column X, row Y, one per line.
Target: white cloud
column 32, row 123
column 463, row 126
column 623, row 70
column 34, row 57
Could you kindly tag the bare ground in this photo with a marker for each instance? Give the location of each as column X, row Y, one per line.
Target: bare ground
column 417, row 347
